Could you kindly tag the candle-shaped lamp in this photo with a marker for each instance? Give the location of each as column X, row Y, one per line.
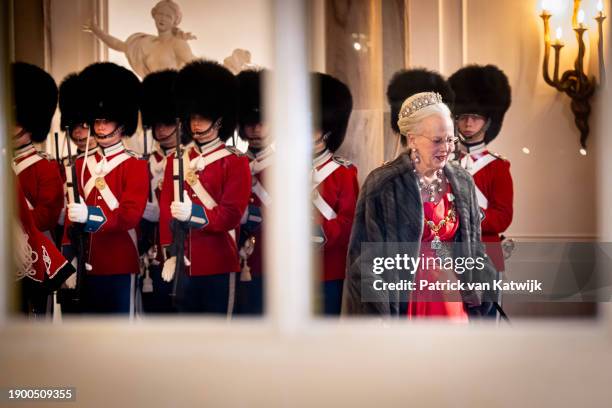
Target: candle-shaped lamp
column 557, row 47
column 600, row 9
column 600, row 53
column 559, row 35
column 581, row 18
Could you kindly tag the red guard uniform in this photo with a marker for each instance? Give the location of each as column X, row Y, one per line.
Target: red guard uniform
column 495, row 194
column 335, row 192
column 157, row 165
column 115, row 181
column 42, row 186
column 217, row 179
column 260, row 198
column 47, row 263
column 42, row 264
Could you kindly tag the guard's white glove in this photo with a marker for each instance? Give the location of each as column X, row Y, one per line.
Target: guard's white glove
column 169, row 268
column 77, row 212
column 71, row 281
column 181, row 210
column 151, row 212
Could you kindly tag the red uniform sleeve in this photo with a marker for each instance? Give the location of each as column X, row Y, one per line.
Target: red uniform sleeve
column 498, row 215
column 236, row 193
column 338, row 230
column 49, row 196
column 134, row 194
column 165, row 199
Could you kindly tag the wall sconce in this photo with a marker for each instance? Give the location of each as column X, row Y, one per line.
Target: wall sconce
column 575, row 82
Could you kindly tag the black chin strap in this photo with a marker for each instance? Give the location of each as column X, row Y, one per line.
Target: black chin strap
column 111, row 134
column 165, row 138
column 466, row 139
column 216, row 125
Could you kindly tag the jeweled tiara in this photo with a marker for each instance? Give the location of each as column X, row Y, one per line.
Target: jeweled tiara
column 420, row 102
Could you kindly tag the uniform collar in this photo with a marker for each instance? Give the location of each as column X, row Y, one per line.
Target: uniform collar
column 207, row 147
column 474, row 148
column 162, row 152
column 111, row 150
column 166, row 152
column 261, row 154
column 321, row 158
column 24, row 150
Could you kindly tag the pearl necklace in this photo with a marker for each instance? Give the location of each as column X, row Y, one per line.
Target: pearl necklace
column 430, row 188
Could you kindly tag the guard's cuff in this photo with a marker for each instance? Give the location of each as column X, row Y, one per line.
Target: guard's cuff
column 95, row 219
column 318, row 236
column 198, row 217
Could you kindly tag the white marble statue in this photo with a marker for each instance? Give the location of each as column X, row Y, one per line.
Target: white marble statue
column 148, row 53
column 239, row 61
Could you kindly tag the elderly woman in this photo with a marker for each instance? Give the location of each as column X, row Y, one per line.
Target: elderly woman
column 149, row 53
column 417, row 205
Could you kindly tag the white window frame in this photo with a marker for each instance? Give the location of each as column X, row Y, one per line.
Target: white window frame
column 364, row 360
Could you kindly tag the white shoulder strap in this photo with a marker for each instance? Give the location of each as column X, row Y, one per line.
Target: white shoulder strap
column 97, row 178
column 320, row 175
column 194, row 182
column 480, row 163
column 324, row 208
column 25, row 163
column 258, row 189
column 257, row 166
column 482, row 200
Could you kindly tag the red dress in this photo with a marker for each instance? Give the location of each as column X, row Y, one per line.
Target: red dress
column 421, row 303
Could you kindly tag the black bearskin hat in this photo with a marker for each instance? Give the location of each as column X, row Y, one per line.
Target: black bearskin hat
column 335, row 103
column 482, row 90
column 208, row 89
column 249, row 98
column 35, row 99
column 113, row 93
column 408, row 82
column 158, row 101
column 71, row 100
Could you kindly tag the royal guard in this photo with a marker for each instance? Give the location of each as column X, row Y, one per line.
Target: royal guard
column 335, row 187
column 159, row 117
column 261, row 154
column 35, row 103
column 113, row 189
column 74, row 123
column 209, row 203
column 482, row 99
column 408, row 82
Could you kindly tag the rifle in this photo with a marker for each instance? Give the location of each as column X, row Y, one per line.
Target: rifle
column 147, row 238
column 57, row 152
column 59, row 228
column 146, row 155
column 179, row 229
column 77, row 234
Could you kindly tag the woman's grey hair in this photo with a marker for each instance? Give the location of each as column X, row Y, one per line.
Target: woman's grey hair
column 411, row 124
